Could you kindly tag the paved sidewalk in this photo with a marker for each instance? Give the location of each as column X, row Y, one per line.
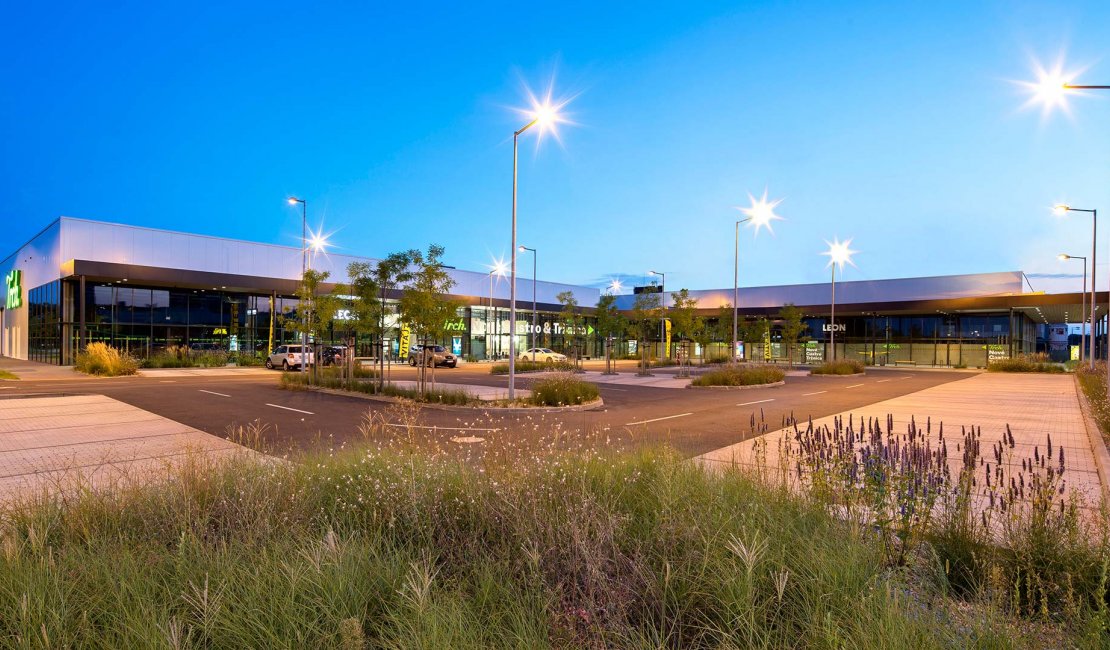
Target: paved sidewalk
column 55, row 443
column 1035, row 406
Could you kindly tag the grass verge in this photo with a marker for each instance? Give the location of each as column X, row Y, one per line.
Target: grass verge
column 330, row 378
column 839, row 367
column 740, row 376
column 1026, row 363
column 384, row 549
column 563, row 389
column 4, row 374
column 1093, row 383
column 528, row 366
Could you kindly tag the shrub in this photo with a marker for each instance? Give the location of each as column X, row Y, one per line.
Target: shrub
column 740, row 376
column 173, row 356
column 838, row 367
column 718, row 358
column 106, row 361
column 248, row 359
column 528, row 366
column 563, row 389
column 1026, row 363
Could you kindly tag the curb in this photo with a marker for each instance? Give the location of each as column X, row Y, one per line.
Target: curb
column 588, row 406
column 854, row 374
column 754, row 386
column 1095, row 439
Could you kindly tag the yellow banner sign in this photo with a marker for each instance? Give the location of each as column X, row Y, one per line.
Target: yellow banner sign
column 667, row 330
column 406, row 336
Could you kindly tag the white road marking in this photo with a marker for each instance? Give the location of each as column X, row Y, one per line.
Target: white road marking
column 425, row 426
column 287, row 408
column 7, row 387
column 669, row 417
column 817, row 393
column 854, row 386
column 212, row 392
column 882, row 380
column 167, row 381
column 758, row 401
column 623, row 390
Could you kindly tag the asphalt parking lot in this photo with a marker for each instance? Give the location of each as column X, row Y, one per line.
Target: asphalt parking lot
column 692, row 421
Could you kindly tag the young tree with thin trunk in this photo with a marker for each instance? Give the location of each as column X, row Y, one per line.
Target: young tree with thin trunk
column 647, row 313
column 610, row 324
column 425, row 305
column 791, row 328
column 571, row 320
column 315, row 311
column 372, row 284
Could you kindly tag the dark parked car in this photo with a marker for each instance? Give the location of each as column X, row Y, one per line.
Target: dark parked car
column 333, row 355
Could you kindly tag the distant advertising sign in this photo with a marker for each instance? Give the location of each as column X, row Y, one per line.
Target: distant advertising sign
column 1074, row 353
column 836, row 327
column 406, row 336
column 456, row 345
column 814, row 353
column 739, row 349
column 767, row 345
column 996, row 353
column 632, row 346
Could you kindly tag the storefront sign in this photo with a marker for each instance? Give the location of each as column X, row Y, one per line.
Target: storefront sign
column 14, row 281
column 996, row 353
column 343, row 314
column 814, row 353
column 456, row 345
column 557, row 328
column 836, row 327
column 454, row 325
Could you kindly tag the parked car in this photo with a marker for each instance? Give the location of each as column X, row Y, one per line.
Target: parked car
column 333, row 355
column 429, row 354
column 289, row 356
column 545, row 355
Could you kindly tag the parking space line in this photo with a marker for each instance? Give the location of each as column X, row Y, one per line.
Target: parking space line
column 817, row 393
column 289, row 408
column 623, row 390
column 212, row 392
column 882, row 380
column 669, row 417
column 854, row 386
column 758, row 401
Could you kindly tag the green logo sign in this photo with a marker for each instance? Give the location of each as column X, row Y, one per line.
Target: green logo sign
column 15, row 289
column 455, row 324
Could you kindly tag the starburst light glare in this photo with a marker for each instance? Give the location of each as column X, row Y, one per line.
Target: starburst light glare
column 839, row 252
column 615, row 286
column 1059, row 210
column 761, row 212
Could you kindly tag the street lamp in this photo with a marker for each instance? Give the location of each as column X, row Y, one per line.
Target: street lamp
column 546, row 115
column 534, row 263
column 304, row 267
column 839, row 254
column 1061, row 210
column 1083, row 316
column 760, row 213
column 662, row 319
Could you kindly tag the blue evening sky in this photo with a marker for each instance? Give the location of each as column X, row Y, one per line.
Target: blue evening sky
column 897, row 124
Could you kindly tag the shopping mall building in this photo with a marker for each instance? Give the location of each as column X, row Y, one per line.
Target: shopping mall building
column 142, row 289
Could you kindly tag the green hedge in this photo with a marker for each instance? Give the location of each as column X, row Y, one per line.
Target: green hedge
column 740, row 376
column 839, row 367
column 562, row 390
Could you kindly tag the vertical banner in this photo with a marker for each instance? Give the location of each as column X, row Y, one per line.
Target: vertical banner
column 767, row 344
column 270, row 349
column 403, row 346
column 667, row 336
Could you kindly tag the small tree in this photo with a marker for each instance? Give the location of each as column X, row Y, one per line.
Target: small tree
column 792, row 327
column 315, row 311
column 685, row 322
column 610, row 323
column 425, row 306
column 371, row 285
column 647, row 312
column 571, row 320
column 751, row 330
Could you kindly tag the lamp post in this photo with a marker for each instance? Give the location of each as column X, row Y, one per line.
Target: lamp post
column 760, row 213
column 1083, row 313
column 839, row 254
column 1061, row 210
column 498, row 270
column 663, row 318
column 542, row 114
column 304, row 268
column 534, row 264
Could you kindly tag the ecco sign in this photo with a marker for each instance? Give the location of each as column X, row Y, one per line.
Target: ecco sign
column 14, row 281
column 838, row 327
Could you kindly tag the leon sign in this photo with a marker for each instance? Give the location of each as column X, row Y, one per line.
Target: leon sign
column 14, row 280
column 838, row 327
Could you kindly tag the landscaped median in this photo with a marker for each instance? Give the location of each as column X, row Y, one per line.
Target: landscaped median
column 560, row 390
column 522, row 366
column 740, row 377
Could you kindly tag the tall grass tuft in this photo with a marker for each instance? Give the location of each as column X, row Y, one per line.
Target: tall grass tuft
column 562, row 389
column 106, row 361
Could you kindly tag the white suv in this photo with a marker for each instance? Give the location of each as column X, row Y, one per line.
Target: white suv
column 289, row 356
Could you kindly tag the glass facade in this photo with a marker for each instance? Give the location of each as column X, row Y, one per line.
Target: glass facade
column 44, row 323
